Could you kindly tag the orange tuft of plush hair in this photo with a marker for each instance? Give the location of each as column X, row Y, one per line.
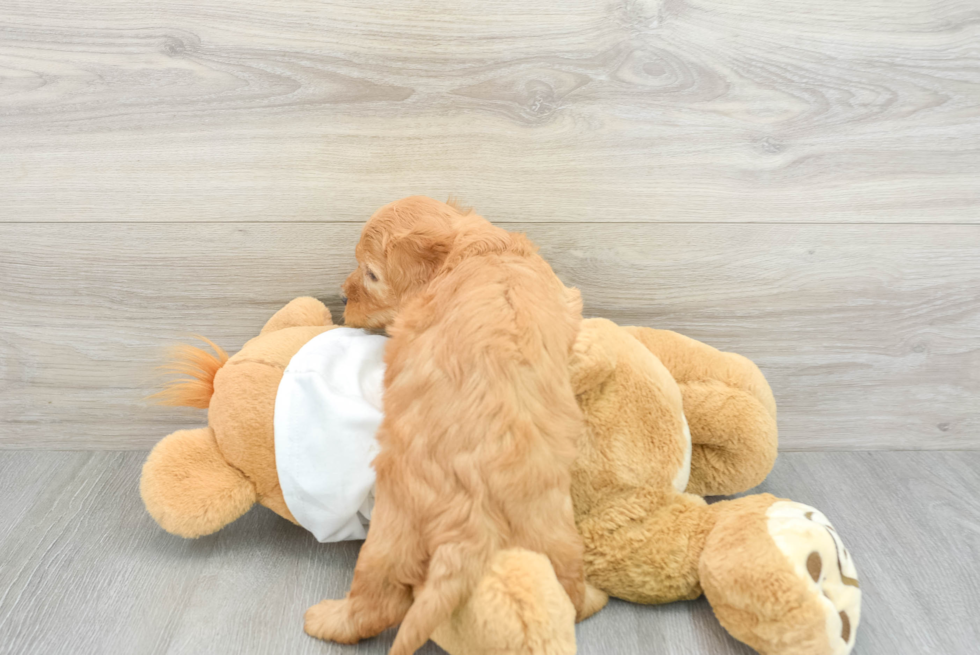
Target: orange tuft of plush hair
column 194, row 370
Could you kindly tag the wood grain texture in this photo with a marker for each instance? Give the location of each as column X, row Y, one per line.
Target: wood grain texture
column 867, row 334
column 85, row 570
column 631, row 110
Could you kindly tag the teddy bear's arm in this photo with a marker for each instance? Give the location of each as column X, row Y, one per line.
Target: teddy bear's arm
column 734, row 439
column 729, row 408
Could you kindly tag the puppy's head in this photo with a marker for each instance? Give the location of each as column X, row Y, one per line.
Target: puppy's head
column 402, row 247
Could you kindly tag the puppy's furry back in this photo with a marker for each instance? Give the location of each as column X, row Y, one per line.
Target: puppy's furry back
column 481, row 421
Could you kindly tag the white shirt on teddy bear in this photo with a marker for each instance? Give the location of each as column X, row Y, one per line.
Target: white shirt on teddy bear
column 328, row 408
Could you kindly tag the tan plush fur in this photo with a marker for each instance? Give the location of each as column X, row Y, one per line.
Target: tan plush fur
column 243, row 405
column 188, row 486
column 647, row 542
column 729, row 406
column 197, row 481
column 644, row 541
column 480, row 420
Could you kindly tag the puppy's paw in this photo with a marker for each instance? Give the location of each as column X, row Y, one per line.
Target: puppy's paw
column 595, row 600
column 330, row 620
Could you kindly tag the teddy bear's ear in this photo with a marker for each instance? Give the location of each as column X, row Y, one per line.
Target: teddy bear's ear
column 189, row 488
column 300, row 312
column 593, row 357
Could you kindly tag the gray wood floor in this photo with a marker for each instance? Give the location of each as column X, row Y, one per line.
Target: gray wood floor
column 85, row 571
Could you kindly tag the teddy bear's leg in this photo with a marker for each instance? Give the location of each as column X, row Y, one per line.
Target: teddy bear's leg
column 645, row 547
column 734, row 438
column 300, row 312
column 518, row 608
column 780, row 579
column 189, row 488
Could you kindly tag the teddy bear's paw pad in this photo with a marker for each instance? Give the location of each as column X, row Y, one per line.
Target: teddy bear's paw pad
column 330, row 620
column 818, row 556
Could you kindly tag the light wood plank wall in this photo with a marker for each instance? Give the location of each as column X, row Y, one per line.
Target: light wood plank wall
column 798, row 181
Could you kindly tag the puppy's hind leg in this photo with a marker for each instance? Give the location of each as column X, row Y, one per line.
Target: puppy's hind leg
column 564, row 548
column 377, row 599
column 453, row 573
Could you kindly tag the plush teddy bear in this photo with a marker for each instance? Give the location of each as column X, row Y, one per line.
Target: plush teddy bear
column 291, row 420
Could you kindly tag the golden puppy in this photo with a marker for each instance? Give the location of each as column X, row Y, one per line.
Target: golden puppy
column 480, row 422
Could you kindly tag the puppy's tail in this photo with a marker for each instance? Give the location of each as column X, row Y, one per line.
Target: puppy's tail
column 196, row 368
column 453, row 574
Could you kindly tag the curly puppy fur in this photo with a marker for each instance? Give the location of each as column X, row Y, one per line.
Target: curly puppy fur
column 481, row 421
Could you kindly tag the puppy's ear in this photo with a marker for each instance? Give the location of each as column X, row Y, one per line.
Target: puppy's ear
column 415, row 256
